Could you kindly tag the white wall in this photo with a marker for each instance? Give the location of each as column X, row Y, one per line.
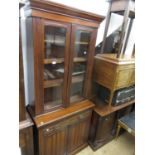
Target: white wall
column 95, row 6
column 99, row 7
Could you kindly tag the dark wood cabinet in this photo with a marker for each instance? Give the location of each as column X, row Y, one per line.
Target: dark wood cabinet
column 65, row 136
column 60, row 44
column 102, row 129
column 105, row 128
column 26, row 137
column 104, row 125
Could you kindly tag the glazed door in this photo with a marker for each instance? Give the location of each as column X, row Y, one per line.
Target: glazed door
column 81, row 62
column 55, row 63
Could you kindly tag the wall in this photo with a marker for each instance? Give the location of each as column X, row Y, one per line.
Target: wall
column 100, row 7
column 96, row 6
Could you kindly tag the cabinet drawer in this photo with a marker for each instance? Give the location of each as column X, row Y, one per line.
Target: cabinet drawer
column 123, row 78
column 51, row 129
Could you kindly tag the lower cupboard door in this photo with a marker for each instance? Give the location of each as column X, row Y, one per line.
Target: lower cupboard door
column 78, row 135
column 53, row 143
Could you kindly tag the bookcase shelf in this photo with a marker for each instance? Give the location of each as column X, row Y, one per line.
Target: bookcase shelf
column 61, row 60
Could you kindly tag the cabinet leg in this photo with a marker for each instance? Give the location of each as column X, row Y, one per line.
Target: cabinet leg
column 111, row 96
column 118, row 130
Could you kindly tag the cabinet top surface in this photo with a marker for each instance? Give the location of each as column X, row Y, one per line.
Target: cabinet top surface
column 106, row 110
column 26, row 123
column 125, row 59
column 49, row 6
column 51, row 117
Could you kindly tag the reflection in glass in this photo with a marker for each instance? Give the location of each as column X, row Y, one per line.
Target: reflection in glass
column 54, row 44
column 114, row 32
column 81, row 46
column 131, row 40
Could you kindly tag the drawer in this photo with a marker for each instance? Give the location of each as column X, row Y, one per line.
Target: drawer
column 123, row 78
column 53, row 128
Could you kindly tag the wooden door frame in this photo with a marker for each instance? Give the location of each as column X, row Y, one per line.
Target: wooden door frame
column 67, row 26
column 90, row 59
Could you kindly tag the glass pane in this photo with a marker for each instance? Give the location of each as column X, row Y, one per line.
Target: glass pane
column 54, row 43
column 81, row 46
column 131, row 40
column 113, row 35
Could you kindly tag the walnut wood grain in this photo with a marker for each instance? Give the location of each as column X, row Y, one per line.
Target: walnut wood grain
column 47, row 118
column 66, row 135
column 26, row 141
column 38, row 15
column 26, row 123
column 103, row 126
column 105, row 110
column 26, row 136
column 58, row 8
column 114, row 73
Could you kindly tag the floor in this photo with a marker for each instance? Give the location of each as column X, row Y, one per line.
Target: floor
column 124, row 145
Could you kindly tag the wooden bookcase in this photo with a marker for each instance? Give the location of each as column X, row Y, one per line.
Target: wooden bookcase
column 59, row 52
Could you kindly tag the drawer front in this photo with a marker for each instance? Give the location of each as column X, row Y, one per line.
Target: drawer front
column 123, row 78
column 51, row 129
column 104, row 73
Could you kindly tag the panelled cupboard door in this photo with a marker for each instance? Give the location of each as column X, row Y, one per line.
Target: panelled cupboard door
column 78, row 135
column 81, row 62
column 53, row 141
column 56, row 41
column 105, row 127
